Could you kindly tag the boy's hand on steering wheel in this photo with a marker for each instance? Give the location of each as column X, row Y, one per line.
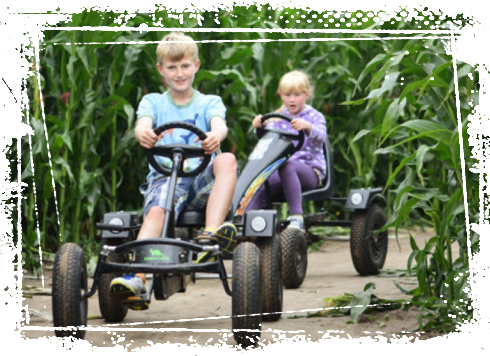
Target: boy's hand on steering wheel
column 211, row 144
column 148, row 138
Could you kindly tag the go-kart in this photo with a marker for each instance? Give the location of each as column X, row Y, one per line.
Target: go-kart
column 256, row 290
column 368, row 247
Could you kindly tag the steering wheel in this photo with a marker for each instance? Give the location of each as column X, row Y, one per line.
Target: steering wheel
column 187, row 151
column 300, row 136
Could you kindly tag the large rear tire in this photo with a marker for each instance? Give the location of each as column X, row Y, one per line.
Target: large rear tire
column 368, row 250
column 246, row 295
column 294, row 257
column 69, row 284
column 272, row 284
column 112, row 310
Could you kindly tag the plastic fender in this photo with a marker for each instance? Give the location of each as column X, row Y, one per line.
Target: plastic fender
column 120, row 218
column 260, row 223
column 364, row 198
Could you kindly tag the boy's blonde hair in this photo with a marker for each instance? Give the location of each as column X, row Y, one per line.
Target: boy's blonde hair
column 294, row 82
column 167, row 49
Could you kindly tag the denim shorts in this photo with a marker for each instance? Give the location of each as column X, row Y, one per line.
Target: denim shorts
column 192, row 193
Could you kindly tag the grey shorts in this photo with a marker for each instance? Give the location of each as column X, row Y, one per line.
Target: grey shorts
column 192, row 193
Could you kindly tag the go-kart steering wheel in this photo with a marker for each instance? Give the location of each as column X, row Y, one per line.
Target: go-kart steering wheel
column 300, row 136
column 187, row 151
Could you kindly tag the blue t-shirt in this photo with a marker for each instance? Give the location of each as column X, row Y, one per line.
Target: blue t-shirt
column 198, row 111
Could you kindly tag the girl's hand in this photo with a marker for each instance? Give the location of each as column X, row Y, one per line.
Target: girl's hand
column 300, row 124
column 257, row 123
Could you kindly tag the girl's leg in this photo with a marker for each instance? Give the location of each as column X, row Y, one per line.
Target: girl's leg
column 296, row 177
column 259, row 198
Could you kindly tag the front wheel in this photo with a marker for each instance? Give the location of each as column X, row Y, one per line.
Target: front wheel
column 272, row 285
column 294, row 257
column 246, row 295
column 368, row 248
column 112, row 310
column 69, row 285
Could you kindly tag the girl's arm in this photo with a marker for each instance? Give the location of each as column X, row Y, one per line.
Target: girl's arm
column 318, row 131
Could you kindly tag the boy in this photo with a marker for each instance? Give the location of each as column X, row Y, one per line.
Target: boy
column 178, row 63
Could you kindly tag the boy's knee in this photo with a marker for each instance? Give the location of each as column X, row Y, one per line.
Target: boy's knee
column 224, row 162
column 156, row 213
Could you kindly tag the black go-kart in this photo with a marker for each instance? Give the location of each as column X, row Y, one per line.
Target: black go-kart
column 256, row 288
column 368, row 247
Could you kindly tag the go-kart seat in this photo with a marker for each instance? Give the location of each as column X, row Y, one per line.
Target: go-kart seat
column 196, row 218
column 191, row 218
column 326, row 190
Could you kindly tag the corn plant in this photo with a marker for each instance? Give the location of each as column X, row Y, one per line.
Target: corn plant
column 384, row 100
column 419, row 135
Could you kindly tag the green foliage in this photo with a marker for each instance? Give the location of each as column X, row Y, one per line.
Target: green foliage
column 420, row 135
column 390, row 107
column 356, row 304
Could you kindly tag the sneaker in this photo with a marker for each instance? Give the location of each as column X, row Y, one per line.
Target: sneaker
column 205, row 257
column 126, row 286
column 136, row 303
column 206, row 238
column 227, row 238
column 296, row 222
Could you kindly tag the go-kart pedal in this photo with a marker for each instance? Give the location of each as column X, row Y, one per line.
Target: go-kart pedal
column 225, row 236
column 136, row 303
column 206, row 238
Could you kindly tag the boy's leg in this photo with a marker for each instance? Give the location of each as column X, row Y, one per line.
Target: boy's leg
column 214, row 190
column 132, row 284
column 152, row 224
column 220, row 198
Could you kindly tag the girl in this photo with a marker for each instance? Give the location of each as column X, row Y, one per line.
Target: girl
column 305, row 169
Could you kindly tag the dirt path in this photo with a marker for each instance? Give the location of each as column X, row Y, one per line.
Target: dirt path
column 201, row 316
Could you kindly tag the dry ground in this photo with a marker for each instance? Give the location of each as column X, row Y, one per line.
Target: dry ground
column 201, row 316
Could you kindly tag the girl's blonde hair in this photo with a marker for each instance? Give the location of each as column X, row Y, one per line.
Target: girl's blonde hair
column 167, row 49
column 294, row 82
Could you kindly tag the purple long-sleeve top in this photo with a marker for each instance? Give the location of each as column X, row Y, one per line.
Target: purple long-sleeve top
column 312, row 151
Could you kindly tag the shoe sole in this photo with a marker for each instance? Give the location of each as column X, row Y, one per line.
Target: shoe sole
column 121, row 291
column 220, row 233
column 136, row 303
column 205, row 257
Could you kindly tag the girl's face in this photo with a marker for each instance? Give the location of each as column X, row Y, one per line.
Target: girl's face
column 294, row 101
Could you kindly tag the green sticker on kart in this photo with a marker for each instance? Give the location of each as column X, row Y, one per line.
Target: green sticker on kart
column 156, row 255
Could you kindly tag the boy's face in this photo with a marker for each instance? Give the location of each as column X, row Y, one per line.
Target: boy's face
column 179, row 75
column 295, row 101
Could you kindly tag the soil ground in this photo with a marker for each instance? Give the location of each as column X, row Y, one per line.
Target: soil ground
column 201, row 315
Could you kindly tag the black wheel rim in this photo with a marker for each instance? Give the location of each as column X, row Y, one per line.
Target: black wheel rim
column 83, row 300
column 299, row 259
column 376, row 241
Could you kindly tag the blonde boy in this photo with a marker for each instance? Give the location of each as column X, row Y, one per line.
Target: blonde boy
column 178, row 63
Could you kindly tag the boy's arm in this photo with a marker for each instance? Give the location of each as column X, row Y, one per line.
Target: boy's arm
column 218, row 133
column 144, row 132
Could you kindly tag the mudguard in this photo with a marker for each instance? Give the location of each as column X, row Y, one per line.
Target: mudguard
column 125, row 219
column 363, row 198
column 270, row 153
